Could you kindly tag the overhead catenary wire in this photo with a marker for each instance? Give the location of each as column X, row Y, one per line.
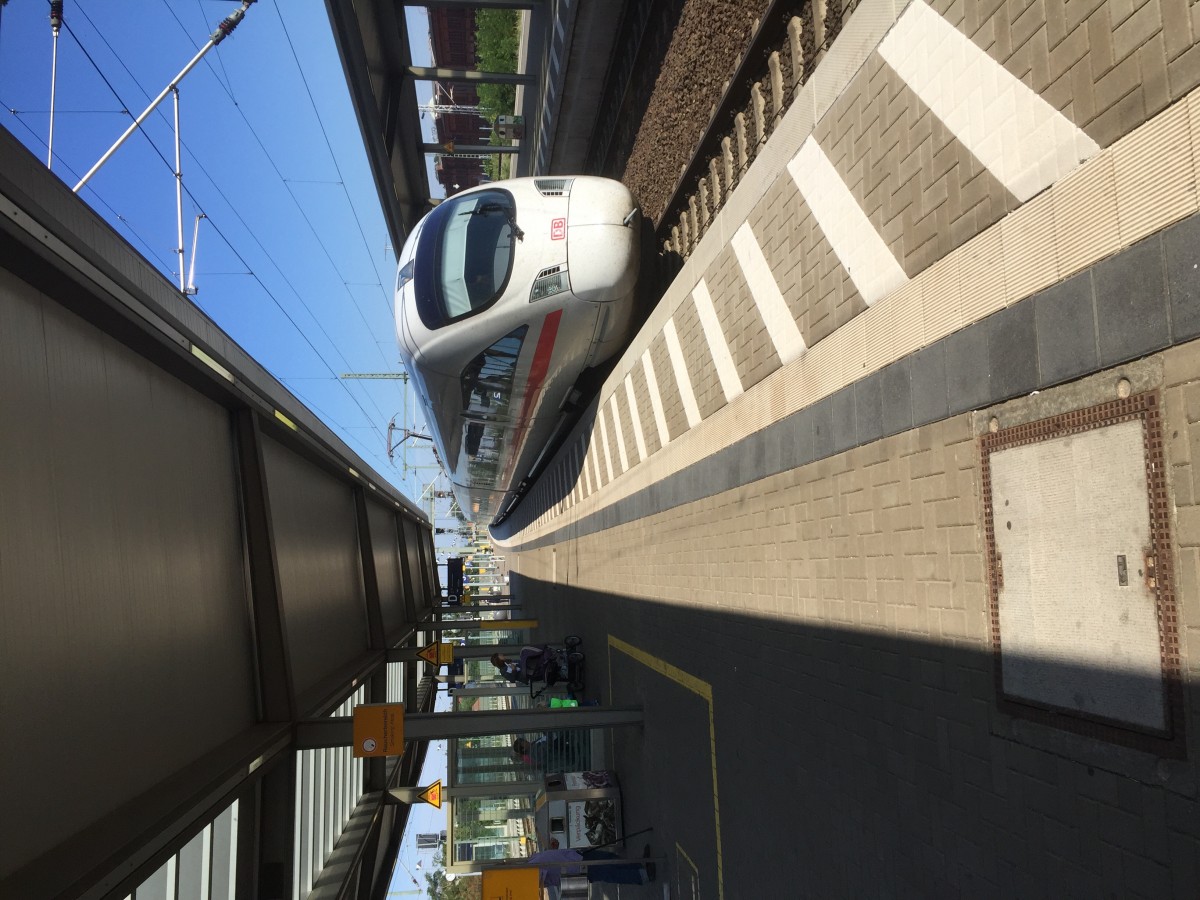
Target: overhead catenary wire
column 267, row 282
column 145, row 246
column 237, row 215
column 332, row 156
column 296, row 200
column 248, row 272
column 222, row 31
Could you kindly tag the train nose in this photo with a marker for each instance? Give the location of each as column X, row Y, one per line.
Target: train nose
column 599, row 201
column 602, row 251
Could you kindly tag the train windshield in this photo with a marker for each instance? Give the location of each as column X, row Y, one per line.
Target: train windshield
column 470, row 240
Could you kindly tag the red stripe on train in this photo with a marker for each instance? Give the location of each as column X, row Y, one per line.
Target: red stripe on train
column 533, row 389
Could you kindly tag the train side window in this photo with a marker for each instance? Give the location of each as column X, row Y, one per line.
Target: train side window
column 487, row 379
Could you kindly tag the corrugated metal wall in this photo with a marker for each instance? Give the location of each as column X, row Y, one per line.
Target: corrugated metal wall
column 182, row 577
column 121, row 573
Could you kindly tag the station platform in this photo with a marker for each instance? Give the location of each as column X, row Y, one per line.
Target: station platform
column 887, row 516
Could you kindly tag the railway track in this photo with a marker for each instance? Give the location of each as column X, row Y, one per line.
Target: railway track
column 787, row 44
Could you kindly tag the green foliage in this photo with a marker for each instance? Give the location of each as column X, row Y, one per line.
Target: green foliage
column 462, row 888
column 497, row 39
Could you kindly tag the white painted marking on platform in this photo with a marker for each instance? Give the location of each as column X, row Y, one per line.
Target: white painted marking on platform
column 731, row 384
column 862, row 252
column 656, row 404
column 781, row 326
column 1021, row 139
column 639, row 436
column 595, row 453
column 608, row 466
column 686, row 394
column 616, row 415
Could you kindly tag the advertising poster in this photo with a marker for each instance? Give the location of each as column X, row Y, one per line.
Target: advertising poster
column 591, row 823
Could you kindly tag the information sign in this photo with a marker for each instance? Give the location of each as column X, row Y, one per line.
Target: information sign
column 379, row 729
column 511, row 884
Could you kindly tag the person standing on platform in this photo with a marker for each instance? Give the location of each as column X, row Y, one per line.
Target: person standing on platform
column 628, row 873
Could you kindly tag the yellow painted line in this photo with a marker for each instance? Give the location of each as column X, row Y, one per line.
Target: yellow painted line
column 696, row 686
column 679, row 849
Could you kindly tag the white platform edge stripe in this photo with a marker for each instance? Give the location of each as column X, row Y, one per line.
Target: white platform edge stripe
column 686, row 394
column 660, row 416
column 862, row 252
column 594, row 453
column 731, row 384
column 639, row 436
column 616, row 415
column 781, row 326
column 1021, row 139
column 608, row 466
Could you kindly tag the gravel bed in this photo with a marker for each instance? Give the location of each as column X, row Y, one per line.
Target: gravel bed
column 704, row 50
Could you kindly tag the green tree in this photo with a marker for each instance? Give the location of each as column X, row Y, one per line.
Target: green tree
column 497, row 39
column 468, row 887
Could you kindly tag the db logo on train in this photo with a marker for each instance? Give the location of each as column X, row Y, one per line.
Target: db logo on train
column 558, row 229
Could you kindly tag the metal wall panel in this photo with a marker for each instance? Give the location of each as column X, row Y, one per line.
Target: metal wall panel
column 386, row 550
column 413, row 554
column 125, row 649
column 320, row 573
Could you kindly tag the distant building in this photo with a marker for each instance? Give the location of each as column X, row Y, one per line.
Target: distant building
column 452, row 37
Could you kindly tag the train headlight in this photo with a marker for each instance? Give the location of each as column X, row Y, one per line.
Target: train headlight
column 549, row 282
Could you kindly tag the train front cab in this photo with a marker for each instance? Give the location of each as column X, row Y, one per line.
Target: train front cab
column 507, row 293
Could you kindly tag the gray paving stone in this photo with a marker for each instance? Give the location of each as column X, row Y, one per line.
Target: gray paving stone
column 796, row 437
column 868, row 408
column 968, row 369
column 897, row 397
column 1131, row 309
column 822, row 422
column 929, row 397
column 1012, row 350
column 1181, row 244
column 1066, row 330
column 845, row 429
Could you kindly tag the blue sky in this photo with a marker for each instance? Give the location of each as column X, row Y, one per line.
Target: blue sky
column 294, row 259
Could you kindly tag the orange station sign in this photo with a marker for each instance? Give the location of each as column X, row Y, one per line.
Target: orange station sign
column 511, row 884
column 379, row 729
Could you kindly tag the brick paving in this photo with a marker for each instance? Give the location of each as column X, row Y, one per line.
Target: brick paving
column 837, row 614
column 806, row 619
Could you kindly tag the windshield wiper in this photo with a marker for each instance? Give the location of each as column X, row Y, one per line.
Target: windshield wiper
column 487, row 208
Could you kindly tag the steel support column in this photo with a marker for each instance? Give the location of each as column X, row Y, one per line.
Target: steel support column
column 338, row 731
column 461, row 651
column 439, row 73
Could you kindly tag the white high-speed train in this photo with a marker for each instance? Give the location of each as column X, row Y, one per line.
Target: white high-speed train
column 506, row 294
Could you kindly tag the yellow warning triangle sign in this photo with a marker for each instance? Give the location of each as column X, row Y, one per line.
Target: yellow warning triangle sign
column 449, row 145
column 429, row 654
column 432, row 794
